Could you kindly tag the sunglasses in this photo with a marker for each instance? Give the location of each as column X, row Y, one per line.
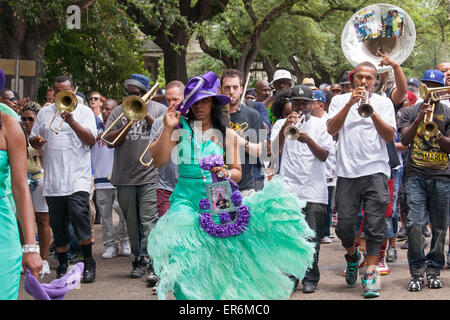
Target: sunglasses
column 29, row 119
column 94, row 98
column 12, row 99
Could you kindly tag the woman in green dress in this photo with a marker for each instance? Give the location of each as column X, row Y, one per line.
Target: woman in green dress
column 13, row 167
column 197, row 263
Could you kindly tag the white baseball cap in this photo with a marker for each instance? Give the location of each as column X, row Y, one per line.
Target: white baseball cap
column 281, row 74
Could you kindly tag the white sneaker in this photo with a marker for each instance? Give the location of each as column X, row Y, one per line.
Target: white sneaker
column 110, row 252
column 45, row 268
column 126, row 250
column 326, row 240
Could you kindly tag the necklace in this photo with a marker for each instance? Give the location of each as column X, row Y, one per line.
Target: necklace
column 203, row 138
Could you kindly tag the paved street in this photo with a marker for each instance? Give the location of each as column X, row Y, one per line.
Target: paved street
column 112, row 282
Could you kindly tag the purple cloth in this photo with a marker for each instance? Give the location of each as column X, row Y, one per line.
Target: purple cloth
column 57, row 289
column 2, row 79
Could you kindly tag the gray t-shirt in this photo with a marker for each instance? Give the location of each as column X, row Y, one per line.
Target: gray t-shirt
column 127, row 169
column 425, row 157
column 168, row 175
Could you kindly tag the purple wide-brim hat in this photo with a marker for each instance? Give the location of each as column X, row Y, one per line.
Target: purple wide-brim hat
column 2, row 79
column 201, row 87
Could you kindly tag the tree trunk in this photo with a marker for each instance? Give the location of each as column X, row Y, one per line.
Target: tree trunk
column 175, row 64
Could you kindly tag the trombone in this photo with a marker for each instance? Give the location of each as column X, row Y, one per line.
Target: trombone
column 292, row 132
column 65, row 101
column 134, row 108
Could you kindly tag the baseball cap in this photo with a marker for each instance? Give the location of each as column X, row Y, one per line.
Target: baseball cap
column 138, row 80
column 434, row 76
column 345, row 79
column 310, row 82
column 413, row 81
column 281, row 74
column 302, row 92
column 319, row 95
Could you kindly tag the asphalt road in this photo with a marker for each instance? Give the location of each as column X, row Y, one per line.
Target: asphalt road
column 112, row 282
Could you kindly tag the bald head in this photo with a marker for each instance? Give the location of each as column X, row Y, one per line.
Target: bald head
column 262, row 89
column 107, row 107
column 444, row 67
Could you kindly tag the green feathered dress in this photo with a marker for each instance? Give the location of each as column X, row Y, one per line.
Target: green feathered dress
column 252, row 265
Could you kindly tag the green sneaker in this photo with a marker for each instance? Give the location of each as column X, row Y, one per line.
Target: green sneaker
column 352, row 271
column 371, row 285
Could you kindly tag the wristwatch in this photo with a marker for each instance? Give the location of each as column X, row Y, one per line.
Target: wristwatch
column 30, row 248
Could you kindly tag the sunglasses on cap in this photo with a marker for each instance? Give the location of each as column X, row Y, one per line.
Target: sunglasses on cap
column 29, row 119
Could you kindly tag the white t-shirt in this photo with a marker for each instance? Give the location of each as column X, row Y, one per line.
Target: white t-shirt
column 360, row 149
column 67, row 161
column 102, row 162
column 330, row 164
column 300, row 169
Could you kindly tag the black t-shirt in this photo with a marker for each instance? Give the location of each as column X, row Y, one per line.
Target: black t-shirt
column 241, row 121
column 425, row 157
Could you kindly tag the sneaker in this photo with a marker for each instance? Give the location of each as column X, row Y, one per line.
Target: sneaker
column 110, row 252
column 405, row 245
column 402, row 234
column 138, row 268
column 382, row 268
column 326, row 240
column 309, row 287
column 362, row 261
column 391, row 254
column 75, row 257
column 126, row 250
column 332, row 236
column 45, row 268
column 370, row 285
column 434, row 281
column 352, row 271
column 295, row 280
column 152, row 278
column 416, row 283
column 61, row 270
column 155, row 289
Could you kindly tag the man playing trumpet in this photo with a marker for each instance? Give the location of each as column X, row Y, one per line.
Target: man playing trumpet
column 304, row 153
column 427, row 180
column 362, row 168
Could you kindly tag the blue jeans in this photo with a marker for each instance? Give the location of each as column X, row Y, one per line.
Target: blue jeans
column 426, row 195
column 398, row 174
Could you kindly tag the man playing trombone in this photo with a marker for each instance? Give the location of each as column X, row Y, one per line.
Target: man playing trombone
column 362, row 168
column 67, row 166
column 135, row 183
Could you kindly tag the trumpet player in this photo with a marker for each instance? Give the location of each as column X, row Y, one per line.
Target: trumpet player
column 362, row 168
column 303, row 156
column 67, row 179
column 427, row 174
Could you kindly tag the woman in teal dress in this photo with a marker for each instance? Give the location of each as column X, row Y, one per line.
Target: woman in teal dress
column 13, row 167
column 189, row 260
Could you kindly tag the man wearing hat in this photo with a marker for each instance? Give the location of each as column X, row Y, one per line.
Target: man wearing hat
column 345, row 83
column 302, row 167
column 281, row 79
column 362, row 169
column 427, row 175
column 136, row 184
column 310, row 83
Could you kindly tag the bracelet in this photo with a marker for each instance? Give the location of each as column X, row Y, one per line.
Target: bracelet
column 30, row 248
column 229, row 173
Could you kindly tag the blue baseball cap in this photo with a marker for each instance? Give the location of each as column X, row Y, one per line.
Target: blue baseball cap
column 434, row 76
column 413, row 81
column 319, row 95
column 138, row 80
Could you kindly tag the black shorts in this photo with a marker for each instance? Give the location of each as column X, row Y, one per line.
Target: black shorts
column 73, row 209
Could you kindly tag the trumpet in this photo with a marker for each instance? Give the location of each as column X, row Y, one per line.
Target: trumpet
column 65, row 101
column 433, row 92
column 365, row 110
column 134, row 108
column 292, row 132
column 430, row 128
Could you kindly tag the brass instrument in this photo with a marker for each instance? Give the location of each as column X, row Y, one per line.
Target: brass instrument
column 134, row 108
column 430, row 128
column 292, row 132
column 365, row 110
column 425, row 92
column 65, row 101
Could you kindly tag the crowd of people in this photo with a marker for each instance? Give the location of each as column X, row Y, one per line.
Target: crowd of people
column 378, row 178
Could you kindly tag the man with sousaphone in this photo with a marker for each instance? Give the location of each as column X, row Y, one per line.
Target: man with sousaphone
column 67, row 166
column 128, row 131
column 426, row 128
